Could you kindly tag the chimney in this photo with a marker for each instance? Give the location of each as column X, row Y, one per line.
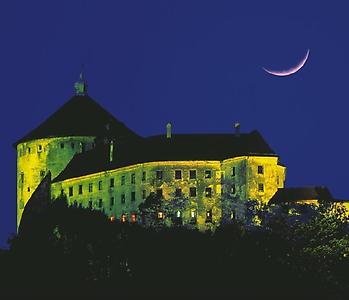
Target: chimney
column 237, row 129
column 168, row 130
column 111, row 151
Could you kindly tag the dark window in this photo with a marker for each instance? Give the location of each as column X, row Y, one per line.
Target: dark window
column 28, row 189
column 159, row 192
column 75, row 203
column 22, row 177
column 123, row 200
column 42, row 173
column 80, row 189
column 111, row 201
column 144, row 194
column 133, row 196
column 192, row 192
column 208, row 174
column 123, row 180
column 100, row 203
column 62, row 145
column 29, row 150
column 209, row 216
column 260, row 170
column 90, row 187
column 159, row 175
column 260, row 187
column 90, row 204
column 100, row 185
column 233, row 172
column 192, row 174
column 70, row 191
column 233, row 189
column 39, row 148
column 144, row 176
column 111, row 182
column 277, row 179
column 178, row 192
column 178, row 174
column 208, row 192
column 72, row 145
column 133, row 178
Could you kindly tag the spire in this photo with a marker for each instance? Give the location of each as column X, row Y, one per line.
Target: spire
column 81, row 85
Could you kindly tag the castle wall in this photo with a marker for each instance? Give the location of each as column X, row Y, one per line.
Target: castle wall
column 35, row 158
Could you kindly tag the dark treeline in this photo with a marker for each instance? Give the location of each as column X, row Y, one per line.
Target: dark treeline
column 75, row 253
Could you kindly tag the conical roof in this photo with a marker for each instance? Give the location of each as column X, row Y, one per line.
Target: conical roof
column 80, row 116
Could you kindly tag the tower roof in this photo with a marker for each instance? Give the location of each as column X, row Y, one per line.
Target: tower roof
column 80, row 116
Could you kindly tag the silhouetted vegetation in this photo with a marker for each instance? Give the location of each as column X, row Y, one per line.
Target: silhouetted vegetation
column 71, row 253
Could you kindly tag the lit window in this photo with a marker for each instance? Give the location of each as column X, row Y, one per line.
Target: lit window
column 233, row 189
column 178, row 192
column 133, row 178
column 233, row 172
column 80, row 189
column 159, row 175
column 193, row 213
column 232, row 215
column 123, row 199
column 62, row 145
column 208, row 174
column 160, row 215
column 144, row 176
column 133, row 196
column 39, row 148
column 178, row 214
column 208, row 192
column 260, row 170
column 178, row 174
column 111, row 201
column 260, row 187
column 192, row 192
column 133, row 217
column 192, row 174
column 123, row 218
column 144, row 194
column 112, row 219
column 111, row 182
column 209, row 216
column 100, row 203
column 70, row 191
column 159, row 192
column 90, row 187
column 100, row 185
column 123, row 180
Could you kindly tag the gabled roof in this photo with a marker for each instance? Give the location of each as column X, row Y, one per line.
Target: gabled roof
column 81, row 115
column 289, row 195
column 159, row 148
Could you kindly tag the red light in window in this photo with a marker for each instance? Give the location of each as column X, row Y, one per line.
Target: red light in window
column 133, row 218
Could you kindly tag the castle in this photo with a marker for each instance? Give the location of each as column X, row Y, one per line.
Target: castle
column 99, row 163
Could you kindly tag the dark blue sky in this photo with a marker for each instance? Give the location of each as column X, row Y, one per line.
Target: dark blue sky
column 197, row 64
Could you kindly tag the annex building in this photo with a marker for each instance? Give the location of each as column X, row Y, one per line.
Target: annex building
column 99, row 163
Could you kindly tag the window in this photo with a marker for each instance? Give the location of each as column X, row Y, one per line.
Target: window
column 277, row 179
column 90, row 187
column 159, row 192
column 208, row 192
column 160, row 215
column 144, row 176
column 80, row 189
column 75, row 203
column 192, row 174
column 260, row 170
column 29, row 150
column 39, row 148
column 28, row 189
column 112, row 201
column 22, row 177
column 90, row 204
column 111, row 182
column 72, row 145
column 208, row 174
column 159, row 175
column 123, row 218
column 70, row 191
column 100, row 203
column 260, row 187
column 209, row 216
column 193, row 213
column 144, row 194
column 133, row 178
column 233, row 189
column 233, row 172
column 62, row 145
column 178, row 192
column 222, row 175
column 192, row 192
column 100, row 185
column 42, row 173
column 178, row 214
column 178, row 174
column 123, row 200
column 133, row 217
column 133, row 196
column 123, row 180
column 112, row 219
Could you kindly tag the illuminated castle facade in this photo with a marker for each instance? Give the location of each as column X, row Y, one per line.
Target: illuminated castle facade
column 99, row 163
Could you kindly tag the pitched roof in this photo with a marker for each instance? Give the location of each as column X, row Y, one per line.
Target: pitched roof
column 288, row 195
column 81, row 115
column 159, row 148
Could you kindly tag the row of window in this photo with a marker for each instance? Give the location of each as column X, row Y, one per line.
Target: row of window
column 62, row 145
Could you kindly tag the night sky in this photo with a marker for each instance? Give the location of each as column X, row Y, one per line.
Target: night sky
column 197, row 64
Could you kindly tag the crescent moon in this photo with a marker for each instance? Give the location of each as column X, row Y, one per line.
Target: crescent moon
column 291, row 70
